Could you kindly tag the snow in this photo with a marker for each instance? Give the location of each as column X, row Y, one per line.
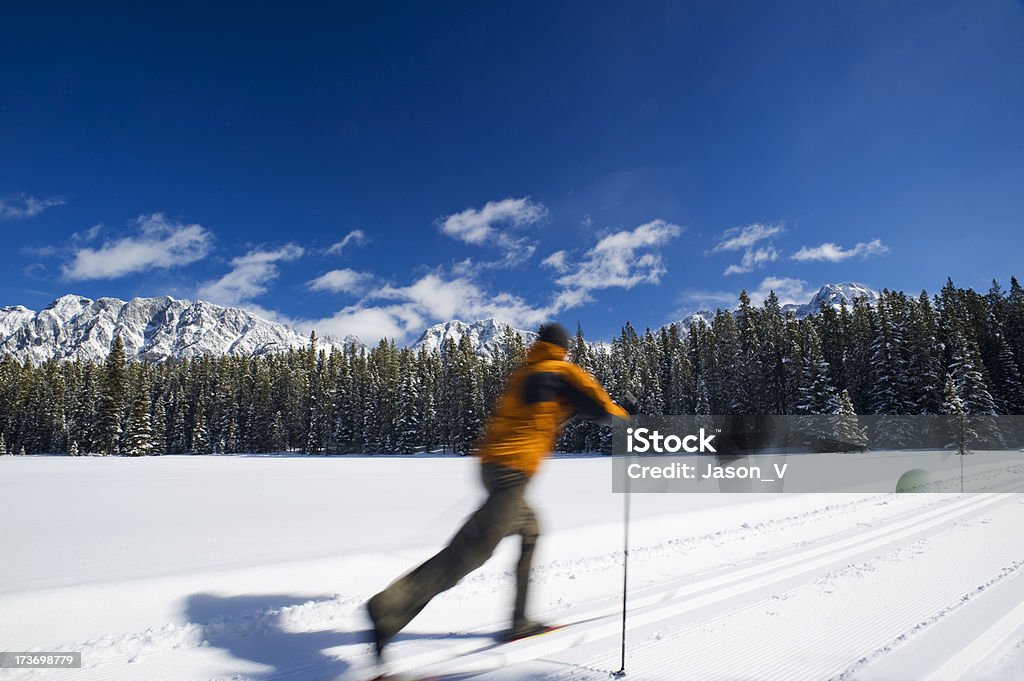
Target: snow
column 239, row 567
column 484, row 335
column 156, row 329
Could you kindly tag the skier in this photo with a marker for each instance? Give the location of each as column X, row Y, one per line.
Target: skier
column 539, row 399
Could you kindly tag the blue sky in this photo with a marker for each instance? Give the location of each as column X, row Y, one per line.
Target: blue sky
column 375, row 168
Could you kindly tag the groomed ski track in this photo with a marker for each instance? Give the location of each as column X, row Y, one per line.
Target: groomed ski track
column 834, row 587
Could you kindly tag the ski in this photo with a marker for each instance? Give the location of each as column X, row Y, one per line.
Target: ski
column 498, row 643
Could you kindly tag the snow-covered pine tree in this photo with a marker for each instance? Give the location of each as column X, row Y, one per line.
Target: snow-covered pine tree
column 771, row 334
column 888, row 359
column 278, row 436
column 73, row 448
column 470, row 396
column 748, row 394
column 1008, row 383
column 957, row 425
column 200, row 435
column 925, row 368
column 159, row 421
column 138, row 435
column 818, row 396
column 848, row 432
column 113, row 388
column 3, row 445
column 407, row 408
column 972, row 388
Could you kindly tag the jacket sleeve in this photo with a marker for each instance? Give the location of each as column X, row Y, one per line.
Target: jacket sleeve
column 588, row 398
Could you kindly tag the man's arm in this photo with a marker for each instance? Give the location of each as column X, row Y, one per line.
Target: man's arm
column 588, row 398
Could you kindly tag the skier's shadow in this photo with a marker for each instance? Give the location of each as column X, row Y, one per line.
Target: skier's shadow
column 254, row 628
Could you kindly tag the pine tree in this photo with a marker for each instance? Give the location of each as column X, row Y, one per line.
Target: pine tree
column 958, row 426
column 138, row 436
column 73, row 448
column 159, row 436
column 278, row 437
column 113, row 388
column 200, row 436
column 3, row 445
column 848, row 432
column 817, row 394
column 971, row 387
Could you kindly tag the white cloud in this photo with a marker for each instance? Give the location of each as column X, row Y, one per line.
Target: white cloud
column 744, row 238
column 622, row 259
column 20, row 206
column 738, row 238
column 488, row 226
column 406, row 310
column 370, row 324
column 787, row 290
column 339, row 281
column 830, row 252
column 753, row 258
column 248, row 278
column 355, row 237
column 557, row 261
column 87, row 234
column 159, row 244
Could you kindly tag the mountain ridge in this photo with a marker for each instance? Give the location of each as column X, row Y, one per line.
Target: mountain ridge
column 161, row 328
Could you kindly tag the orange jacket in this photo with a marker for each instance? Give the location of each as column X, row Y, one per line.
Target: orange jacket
column 538, row 400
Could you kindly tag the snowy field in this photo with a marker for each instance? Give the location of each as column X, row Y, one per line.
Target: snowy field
column 237, row 568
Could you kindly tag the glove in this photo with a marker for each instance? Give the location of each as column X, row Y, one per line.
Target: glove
column 630, row 403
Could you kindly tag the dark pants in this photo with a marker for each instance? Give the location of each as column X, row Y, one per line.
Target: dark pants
column 504, row 513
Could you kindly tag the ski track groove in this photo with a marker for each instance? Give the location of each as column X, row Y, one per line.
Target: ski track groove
column 110, row 650
column 778, row 662
column 172, row 638
column 719, row 589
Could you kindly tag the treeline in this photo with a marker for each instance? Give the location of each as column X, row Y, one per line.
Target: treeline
column 959, row 352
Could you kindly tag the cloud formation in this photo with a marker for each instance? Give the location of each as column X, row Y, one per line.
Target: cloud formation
column 753, row 258
column 830, row 252
column 340, row 281
column 355, row 237
column 20, row 206
column 400, row 311
column 745, row 238
column 557, row 261
column 249, row 277
column 621, row 260
column 160, row 243
column 739, row 238
column 491, row 226
column 787, row 290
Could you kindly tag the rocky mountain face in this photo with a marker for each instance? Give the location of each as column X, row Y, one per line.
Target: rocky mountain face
column 486, row 336
column 153, row 329
column 156, row 329
column 829, row 294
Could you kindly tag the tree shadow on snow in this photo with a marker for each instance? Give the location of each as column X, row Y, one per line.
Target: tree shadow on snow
column 255, row 628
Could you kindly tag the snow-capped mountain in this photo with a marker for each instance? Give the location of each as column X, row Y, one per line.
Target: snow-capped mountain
column 485, row 336
column 156, row 329
column 153, row 329
column 834, row 295
column 829, row 294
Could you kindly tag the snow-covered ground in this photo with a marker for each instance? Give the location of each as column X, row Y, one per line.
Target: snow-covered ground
column 257, row 568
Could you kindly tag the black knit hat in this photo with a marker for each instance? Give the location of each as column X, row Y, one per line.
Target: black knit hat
column 555, row 334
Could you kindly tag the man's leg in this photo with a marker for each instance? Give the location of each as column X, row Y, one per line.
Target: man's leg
column 392, row 609
column 528, row 530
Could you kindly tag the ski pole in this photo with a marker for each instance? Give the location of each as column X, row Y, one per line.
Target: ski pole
column 625, row 566
column 625, row 574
